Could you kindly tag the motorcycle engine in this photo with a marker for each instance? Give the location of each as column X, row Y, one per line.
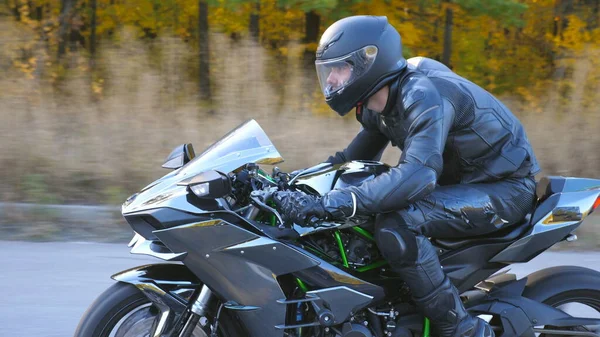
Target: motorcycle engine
column 355, row 330
column 359, row 251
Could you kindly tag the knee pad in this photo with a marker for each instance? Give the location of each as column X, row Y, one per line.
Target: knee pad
column 397, row 245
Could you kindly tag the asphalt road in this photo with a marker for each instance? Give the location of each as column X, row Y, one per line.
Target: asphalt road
column 46, row 287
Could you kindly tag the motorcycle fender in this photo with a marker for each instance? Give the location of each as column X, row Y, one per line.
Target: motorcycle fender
column 162, row 274
column 546, row 283
column 156, row 281
column 520, row 313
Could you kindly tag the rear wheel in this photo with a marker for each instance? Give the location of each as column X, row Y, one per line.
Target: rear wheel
column 578, row 303
column 124, row 311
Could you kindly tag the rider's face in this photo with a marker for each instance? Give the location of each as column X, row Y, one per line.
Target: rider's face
column 338, row 76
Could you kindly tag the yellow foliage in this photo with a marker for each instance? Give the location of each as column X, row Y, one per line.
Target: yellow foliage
column 502, row 58
column 230, row 20
column 279, row 25
column 574, row 36
column 97, row 87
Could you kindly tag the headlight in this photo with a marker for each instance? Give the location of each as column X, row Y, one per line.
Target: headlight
column 200, row 190
column 210, row 184
column 129, row 200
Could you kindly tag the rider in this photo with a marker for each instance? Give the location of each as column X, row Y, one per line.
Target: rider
column 466, row 168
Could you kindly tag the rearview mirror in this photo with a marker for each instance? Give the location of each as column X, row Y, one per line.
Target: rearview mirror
column 180, row 156
column 210, row 184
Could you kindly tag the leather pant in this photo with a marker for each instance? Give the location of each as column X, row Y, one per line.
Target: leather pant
column 451, row 211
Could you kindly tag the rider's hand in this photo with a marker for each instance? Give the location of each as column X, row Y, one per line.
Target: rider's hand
column 299, row 208
column 340, row 204
column 303, row 209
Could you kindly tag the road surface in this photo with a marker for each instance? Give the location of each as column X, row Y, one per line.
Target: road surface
column 46, row 287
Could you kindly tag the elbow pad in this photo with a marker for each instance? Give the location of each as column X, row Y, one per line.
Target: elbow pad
column 395, row 189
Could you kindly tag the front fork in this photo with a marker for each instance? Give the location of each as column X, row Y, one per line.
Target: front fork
column 197, row 312
column 155, row 281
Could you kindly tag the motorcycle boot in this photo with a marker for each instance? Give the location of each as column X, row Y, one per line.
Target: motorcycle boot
column 449, row 316
column 433, row 292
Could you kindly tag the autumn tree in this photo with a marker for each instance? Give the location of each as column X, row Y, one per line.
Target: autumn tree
column 204, row 54
column 504, row 45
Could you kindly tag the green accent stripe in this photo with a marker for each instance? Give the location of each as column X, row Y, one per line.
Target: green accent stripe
column 272, row 218
column 265, row 175
column 372, row 266
column 301, row 284
column 338, row 238
column 318, row 253
column 363, row 232
column 426, row 327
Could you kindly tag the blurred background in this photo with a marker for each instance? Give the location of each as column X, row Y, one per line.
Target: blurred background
column 95, row 93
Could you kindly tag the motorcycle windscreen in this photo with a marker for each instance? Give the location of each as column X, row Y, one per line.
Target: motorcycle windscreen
column 247, row 143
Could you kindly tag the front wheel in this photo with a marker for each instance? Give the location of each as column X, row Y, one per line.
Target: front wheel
column 124, row 311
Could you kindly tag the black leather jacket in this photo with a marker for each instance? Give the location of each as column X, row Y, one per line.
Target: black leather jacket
column 450, row 131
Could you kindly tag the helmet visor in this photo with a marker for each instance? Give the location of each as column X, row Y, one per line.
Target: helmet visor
column 336, row 74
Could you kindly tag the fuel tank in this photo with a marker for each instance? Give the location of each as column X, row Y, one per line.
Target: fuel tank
column 326, row 177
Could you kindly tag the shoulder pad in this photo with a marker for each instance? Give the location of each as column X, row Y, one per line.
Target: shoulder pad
column 418, row 88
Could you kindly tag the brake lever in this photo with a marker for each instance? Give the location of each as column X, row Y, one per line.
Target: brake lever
column 256, row 197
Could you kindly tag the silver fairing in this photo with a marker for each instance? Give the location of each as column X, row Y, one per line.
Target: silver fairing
column 339, row 176
column 568, row 214
column 247, row 143
column 241, row 267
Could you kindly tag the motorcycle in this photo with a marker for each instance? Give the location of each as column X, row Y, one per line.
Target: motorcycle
column 233, row 268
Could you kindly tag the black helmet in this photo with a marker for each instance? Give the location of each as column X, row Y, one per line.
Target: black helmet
column 356, row 57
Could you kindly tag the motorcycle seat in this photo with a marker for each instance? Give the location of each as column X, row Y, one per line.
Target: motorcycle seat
column 505, row 235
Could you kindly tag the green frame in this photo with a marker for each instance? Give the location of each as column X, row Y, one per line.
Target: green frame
column 364, row 233
column 376, row 264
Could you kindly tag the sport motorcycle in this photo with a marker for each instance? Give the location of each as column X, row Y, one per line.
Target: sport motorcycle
column 234, row 268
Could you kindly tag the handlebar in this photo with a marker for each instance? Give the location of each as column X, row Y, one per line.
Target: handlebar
column 258, row 196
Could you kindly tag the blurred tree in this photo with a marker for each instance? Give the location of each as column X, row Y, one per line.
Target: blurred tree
column 66, row 15
column 505, row 45
column 506, row 12
column 254, row 26
column 93, row 9
column 204, row 55
column 448, row 25
column 312, row 24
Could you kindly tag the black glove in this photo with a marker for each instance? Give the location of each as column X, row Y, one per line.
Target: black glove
column 301, row 208
column 339, row 204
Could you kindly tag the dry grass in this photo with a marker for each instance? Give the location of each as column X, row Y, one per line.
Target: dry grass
column 66, row 143
column 63, row 144
column 564, row 132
